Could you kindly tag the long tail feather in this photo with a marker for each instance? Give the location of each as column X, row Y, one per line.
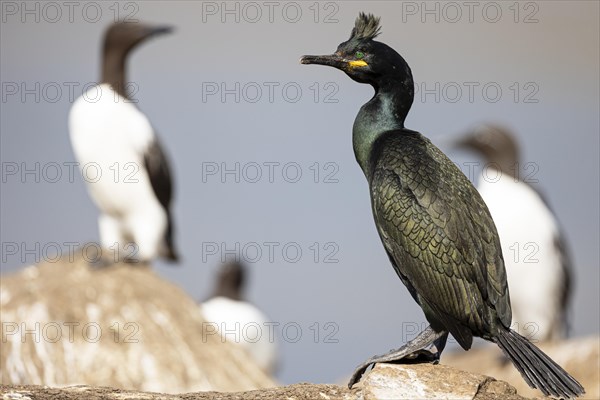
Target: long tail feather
column 538, row 370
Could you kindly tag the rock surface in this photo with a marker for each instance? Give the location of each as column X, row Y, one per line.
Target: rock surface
column 385, row 381
column 299, row 391
column 426, row 381
column 580, row 357
column 128, row 333
column 66, row 323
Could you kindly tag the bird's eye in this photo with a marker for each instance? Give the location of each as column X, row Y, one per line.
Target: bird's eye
column 359, row 54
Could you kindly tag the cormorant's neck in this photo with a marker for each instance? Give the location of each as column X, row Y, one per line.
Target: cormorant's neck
column 386, row 111
column 113, row 70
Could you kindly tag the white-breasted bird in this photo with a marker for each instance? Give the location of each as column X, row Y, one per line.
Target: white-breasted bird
column 123, row 163
column 239, row 321
column 538, row 266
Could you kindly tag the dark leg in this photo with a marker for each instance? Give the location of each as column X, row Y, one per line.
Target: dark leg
column 440, row 344
column 412, row 351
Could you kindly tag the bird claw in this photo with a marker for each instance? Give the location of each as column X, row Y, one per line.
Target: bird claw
column 421, row 356
column 358, row 373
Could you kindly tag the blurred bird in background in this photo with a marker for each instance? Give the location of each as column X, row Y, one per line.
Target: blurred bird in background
column 239, row 321
column 123, row 163
column 538, row 266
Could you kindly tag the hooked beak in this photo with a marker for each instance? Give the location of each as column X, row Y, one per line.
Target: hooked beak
column 333, row 60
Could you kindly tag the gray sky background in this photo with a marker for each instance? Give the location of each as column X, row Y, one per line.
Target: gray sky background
column 553, row 59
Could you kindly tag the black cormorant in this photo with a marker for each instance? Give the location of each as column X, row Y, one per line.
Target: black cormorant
column 433, row 223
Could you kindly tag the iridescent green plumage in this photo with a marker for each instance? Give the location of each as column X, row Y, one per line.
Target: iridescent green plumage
column 435, row 227
column 439, row 233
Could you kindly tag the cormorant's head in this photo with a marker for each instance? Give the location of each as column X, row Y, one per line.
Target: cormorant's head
column 121, row 37
column 364, row 59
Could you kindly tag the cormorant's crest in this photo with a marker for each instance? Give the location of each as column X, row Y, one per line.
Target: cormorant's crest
column 366, row 27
